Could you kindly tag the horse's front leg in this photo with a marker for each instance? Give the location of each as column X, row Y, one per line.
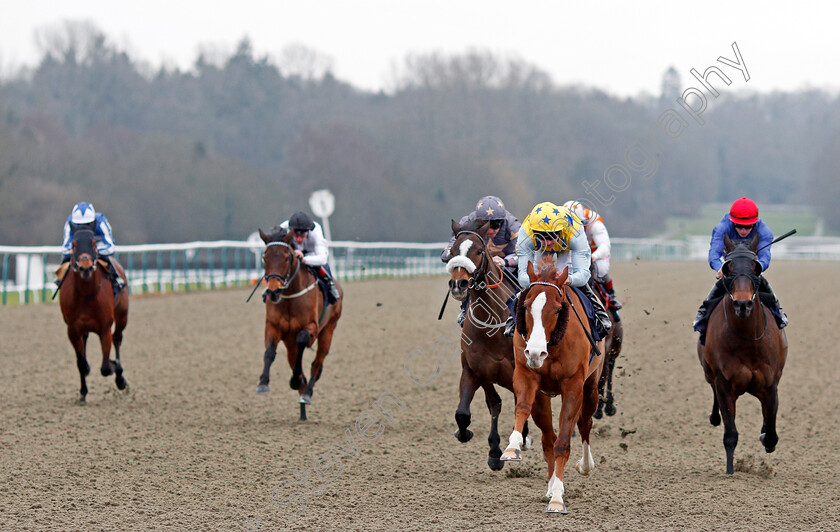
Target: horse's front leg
column 494, row 404
column 572, row 392
column 769, row 405
column 295, row 354
column 525, row 384
column 268, row 359
column 79, row 342
column 105, row 339
column 466, row 391
column 726, row 402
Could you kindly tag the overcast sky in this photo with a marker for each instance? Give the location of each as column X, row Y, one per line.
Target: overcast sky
column 622, row 47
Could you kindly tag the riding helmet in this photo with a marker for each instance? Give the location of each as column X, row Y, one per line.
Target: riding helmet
column 300, row 221
column 490, row 208
column 744, row 211
column 83, row 213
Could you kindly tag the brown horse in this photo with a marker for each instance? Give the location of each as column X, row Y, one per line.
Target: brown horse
column 486, row 354
column 745, row 351
column 552, row 353
column 88, row 306
column 294, row 314
column 612, row 344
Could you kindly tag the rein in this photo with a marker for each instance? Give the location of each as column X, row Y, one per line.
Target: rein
column 285, row 282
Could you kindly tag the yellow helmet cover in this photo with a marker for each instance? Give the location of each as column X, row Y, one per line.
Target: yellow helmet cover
column 547, row 217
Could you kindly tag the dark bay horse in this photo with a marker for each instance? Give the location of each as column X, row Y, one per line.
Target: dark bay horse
column 295, row 315
column 88, row 306
column 486, row 354
column 612, row 344
column 552, row 352
column 745, row 351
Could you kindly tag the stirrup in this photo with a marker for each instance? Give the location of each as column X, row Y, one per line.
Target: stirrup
column 616, row 304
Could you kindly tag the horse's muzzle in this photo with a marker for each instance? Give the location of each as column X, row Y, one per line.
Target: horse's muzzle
column 271, row 295
column 743, row 308
column 459, row 288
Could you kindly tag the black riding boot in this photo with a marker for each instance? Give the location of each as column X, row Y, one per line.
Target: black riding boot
column 334, row 294
column 602, row 319
column 116, row 281
column 766, row 294
column 614, row 300
column 717, row 291
column 463, row 314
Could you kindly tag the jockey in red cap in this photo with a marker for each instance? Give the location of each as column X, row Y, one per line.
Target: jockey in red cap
column 740, row 224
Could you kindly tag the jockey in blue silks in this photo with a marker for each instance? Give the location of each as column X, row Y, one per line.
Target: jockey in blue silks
column 84, row 216
column 739, row 225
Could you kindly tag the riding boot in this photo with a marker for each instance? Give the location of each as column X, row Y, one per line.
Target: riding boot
column 116, row 281
column 334, row 294
column 717, row 291
column 463, row 314
column 602, row 319
column 765, row 290
column 510, row 327
column 616, row 304
column 64, row 260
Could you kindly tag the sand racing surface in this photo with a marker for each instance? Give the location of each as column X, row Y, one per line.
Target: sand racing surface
column 190, row 446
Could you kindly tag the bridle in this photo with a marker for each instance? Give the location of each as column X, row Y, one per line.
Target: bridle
column 74, row 263
column 729, row 280
column 477, row 277
column 285, row 280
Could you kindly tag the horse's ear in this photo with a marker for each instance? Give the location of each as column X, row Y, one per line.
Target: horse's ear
column 754, row 241
column 727, row 243
column 726, row 269
column 455, row 227
column 560, row 278
column 263, row 236
column 482, row 231
column 531, row 274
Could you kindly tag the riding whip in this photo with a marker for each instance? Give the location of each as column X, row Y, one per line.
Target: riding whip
column 791, row 232
column 443, row 307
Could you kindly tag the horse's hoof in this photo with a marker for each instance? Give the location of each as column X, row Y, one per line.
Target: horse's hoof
column 468, row 434
column 598, row 413
column 81, row 400
column 295, row 382
column 121, row 382
column 495, row 464
column 262, row 388
column 556, row 507
column 106, row 370
column 766, row 447
column 511, row 455
column 305, row 399
column 610, row 409
column 714, row 419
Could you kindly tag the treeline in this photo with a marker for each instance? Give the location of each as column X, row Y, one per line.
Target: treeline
column 241, row 141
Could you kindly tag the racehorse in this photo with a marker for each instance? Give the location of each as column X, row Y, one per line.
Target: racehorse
column 612, row 344
column 745, row 350
column 295, row 314
column 88, row 306
column 554, row 356
column 486, row 353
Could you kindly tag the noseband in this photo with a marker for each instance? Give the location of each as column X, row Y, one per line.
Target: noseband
column 480, row 272
column 94, row 253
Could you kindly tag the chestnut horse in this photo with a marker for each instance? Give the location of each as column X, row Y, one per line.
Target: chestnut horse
column 294, row 314
column 88, row 306
column 612, row 344
column 745, row 350
column 486, row 353
column 554, row 356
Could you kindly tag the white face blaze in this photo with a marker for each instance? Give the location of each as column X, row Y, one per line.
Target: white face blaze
column 461, row 260
column 536, row 350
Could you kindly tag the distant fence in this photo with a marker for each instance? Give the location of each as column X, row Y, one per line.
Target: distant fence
column 28, row 272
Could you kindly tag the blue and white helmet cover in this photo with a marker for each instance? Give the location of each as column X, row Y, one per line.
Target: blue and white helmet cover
column 83, row 213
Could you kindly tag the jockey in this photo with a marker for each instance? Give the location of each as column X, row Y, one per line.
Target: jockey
column 740, row 224
column 311, row 248
column 599, row 244
column 503, row 229
column 84, row 216
column 553, row 230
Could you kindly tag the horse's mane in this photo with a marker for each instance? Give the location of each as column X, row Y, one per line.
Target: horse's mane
column 546, row 269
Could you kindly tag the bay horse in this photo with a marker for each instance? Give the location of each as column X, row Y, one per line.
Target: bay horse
column 88, row 306
column 295, row 314
column 745, row 350
column 612, row 344
column 554, row 356
column 486, row 353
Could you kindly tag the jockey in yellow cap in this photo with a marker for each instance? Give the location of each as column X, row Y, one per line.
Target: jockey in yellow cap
column 555, row 230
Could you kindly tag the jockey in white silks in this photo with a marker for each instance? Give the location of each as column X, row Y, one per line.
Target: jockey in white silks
column 599, row 244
